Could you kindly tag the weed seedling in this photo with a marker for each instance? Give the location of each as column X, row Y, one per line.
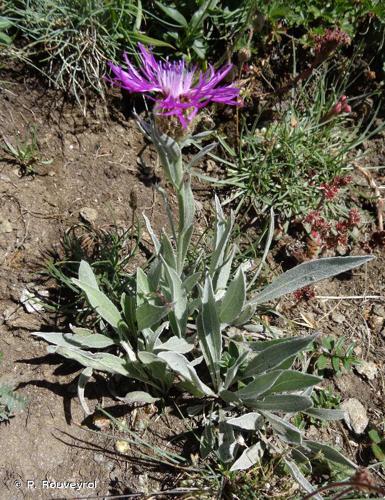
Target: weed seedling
column 336, row 355
column 10, row 402
column 25, row 152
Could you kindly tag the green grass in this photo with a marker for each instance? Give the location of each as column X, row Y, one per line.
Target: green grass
column 284, row 163
column 71, row 40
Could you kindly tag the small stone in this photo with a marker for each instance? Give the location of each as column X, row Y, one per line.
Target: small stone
column 356, row 417
column 338, row 318
column 368, row 369
column 99, row 458
column 88, row 214
column 379, row 310
column 101, row 422
column 375, row 323
column 5, row 226
column 122, row 446
column 24, row 321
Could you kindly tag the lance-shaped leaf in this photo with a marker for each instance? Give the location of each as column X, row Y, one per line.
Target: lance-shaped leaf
column 102, row 361
column 92, row 340
column 101, row 303
column 329, row 453
column 249, row 421
column 201, row 154
column 300, row 478
column 178, row 316
column 249, row 457
column 292, row 380
column 148, row 315
column 288, row 403
column 86, row 275
column 167, row 251
column 227, row 443
column 306, row 274
column 275, row 354
column 179, row 364
column 209, row 331
column 174, row 344
column 84, row 377
column 325, row 414
column 258, row 386
column 234, row 298
column 287, row 431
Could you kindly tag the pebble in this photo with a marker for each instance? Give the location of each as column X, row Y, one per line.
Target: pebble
column 379, row 310
column 368, row 369
column 356, row 417
column 338, row 317
column 5, row 226
column 88, row 214
column 24, row 321
column 122, row 446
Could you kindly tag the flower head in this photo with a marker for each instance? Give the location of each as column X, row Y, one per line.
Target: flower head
column 176, row 88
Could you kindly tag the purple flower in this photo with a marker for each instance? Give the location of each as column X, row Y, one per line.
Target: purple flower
column 179, row 90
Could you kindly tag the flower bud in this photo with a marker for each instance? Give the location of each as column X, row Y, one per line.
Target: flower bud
column 244, row 55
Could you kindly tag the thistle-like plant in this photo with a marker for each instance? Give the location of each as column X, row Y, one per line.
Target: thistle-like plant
column 173, row 330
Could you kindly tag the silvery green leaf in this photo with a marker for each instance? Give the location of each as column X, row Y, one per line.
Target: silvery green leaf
column 325, row 414
column 154, row 274
column 179, row 311
column 289, row 403
column 170, row 157
column 102, row 361
column 152, row 234
column 190, row 282
column 257, row 387
column 142, row 286
column 222, row 274
column 209, row 331
column 234, row 299
column 179, row 364
column 148, row 315
column 184, row 239
column 245, row 316
column 249, row 421
column 175, row 344
column 152, row 337
column 217, row 257
column 329, row 453
column 306, row 274
column 86, row 275
column 178, row 294
column 249, row 457
column 292, row 380
column 300, row 478
column 287, row 431
column 139, row 397
column 80, row 330
column 226, row 443
column 167, row 251
column 277, row 353
column 92, row 340
column 207, row 441
column 84, row 377
column 186, row 207
column 231, row 372
column 101, row 303
column 202, row 153
column 128, row 305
